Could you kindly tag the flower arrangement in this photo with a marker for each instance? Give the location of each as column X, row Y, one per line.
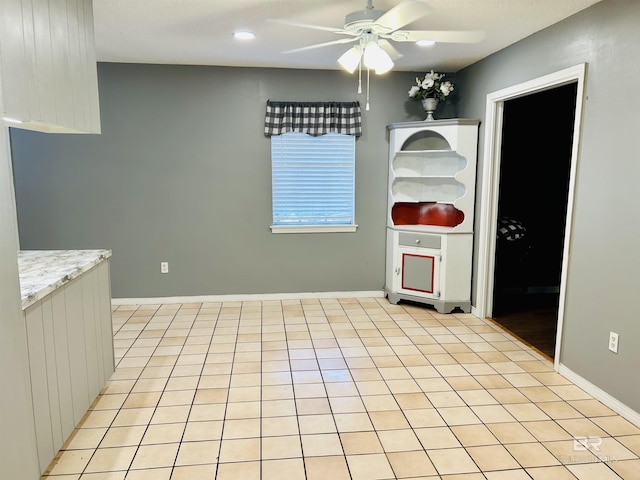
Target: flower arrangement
column 431, row 86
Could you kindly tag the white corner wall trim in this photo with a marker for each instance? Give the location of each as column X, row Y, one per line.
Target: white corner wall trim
column 490, row 176
column 489, row 189
column 245, row 297
column 599, row 394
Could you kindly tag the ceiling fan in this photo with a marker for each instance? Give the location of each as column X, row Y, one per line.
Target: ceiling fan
column 373, row 29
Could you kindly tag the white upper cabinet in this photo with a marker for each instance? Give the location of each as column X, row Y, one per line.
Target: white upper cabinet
column 48, row 74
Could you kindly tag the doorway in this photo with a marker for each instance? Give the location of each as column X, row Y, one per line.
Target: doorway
column 532, row 206
column 490, row 187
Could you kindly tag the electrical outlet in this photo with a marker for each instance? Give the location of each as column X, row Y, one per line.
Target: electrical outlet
column 164, row 267
column 613, row 341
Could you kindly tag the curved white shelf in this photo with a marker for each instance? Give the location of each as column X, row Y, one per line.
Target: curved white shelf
column 428, row 165
column 416, row 175
column 427, row 189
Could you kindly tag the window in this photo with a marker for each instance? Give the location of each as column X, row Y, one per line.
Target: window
column 313, row 182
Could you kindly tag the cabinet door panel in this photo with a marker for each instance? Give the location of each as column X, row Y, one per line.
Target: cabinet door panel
column 77, row 349
column 39, row 387
column 52, row 372
column 417, row 272
column 106, row 323
column 93, row 353
column 63, row 368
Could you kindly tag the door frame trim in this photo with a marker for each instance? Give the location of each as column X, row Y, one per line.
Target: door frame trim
column 489, row 189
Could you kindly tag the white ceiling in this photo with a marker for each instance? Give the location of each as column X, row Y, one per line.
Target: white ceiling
column 199, row 32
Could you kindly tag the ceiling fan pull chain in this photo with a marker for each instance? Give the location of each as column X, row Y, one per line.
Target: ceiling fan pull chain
column 368, row 72
column 360, row 76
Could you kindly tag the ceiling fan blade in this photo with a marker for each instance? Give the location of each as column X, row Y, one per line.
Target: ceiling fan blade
column 438, row 36
column 306, row 25
column 320, row 45
column 390, row 49
column 402, row 14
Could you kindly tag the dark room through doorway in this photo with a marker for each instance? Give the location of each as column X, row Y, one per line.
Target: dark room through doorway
column 537, row 139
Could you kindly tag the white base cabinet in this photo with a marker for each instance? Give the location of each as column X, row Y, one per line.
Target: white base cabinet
column 70, row 346
column 429, row 268
column 431, row 198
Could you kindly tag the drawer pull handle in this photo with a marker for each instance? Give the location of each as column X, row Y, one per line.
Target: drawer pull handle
column 417, row 240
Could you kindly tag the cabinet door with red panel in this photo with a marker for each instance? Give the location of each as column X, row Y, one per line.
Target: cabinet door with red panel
column 418, row 264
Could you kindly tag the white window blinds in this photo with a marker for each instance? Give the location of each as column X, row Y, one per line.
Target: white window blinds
column 313, row 179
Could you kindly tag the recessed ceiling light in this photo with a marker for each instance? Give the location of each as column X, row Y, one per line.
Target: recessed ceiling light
column 426, row 43
column 244, row 35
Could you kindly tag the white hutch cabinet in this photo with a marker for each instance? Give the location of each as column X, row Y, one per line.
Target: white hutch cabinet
column 431, row 198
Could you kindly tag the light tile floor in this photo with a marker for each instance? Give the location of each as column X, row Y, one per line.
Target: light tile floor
column 336, row 389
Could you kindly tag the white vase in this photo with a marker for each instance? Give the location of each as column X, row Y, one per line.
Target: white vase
column 429, row 105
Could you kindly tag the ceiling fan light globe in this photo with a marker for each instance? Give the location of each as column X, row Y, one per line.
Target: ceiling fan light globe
column 350, row 59
column 377, row 59
column 384, row 67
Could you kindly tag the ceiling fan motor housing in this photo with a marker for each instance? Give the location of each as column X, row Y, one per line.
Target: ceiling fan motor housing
column 363, row 20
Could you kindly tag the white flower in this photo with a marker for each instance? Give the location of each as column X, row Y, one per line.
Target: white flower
column 427, row 83
column 434, row 76
column 431, row 85
column 446, row 88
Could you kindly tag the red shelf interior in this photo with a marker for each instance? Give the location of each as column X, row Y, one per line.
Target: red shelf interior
column 426, row 213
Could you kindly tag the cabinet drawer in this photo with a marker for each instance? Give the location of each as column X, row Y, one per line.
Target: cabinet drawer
column 423, row 240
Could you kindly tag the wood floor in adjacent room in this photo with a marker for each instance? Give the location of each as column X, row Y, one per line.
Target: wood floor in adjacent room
column 532, row 318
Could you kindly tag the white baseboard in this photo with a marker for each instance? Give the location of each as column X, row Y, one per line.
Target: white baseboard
column 599, row 394
column 244, row 297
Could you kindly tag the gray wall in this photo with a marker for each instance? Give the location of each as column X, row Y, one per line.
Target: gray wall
column 603, row 281
column 181, row 173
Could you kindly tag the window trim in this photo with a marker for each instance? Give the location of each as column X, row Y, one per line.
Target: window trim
column 314, row 228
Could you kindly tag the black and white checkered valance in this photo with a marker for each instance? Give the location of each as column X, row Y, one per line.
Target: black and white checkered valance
column 313, row 118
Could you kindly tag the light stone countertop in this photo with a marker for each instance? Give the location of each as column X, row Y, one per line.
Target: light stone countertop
column 44, row 271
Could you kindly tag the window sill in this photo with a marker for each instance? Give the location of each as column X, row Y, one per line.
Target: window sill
column 313, row 229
